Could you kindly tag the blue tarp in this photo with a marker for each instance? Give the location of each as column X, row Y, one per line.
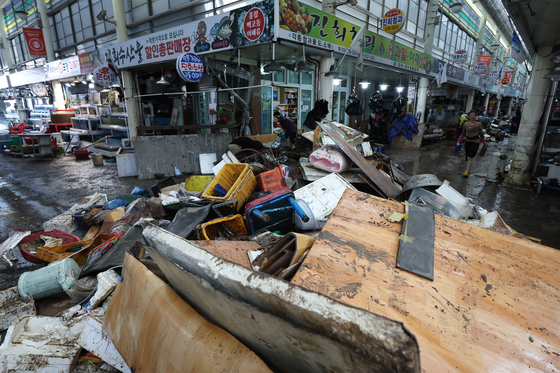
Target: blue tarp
column 406, row 126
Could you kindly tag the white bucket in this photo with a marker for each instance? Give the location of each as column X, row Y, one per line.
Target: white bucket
column 50, row 280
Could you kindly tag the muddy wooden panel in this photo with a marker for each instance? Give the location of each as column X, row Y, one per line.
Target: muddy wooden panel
column 493, row 305
column 154, row 330
column 234, row 251
column 292, row 329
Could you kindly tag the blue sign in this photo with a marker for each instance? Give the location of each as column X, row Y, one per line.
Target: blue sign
column 190, row 67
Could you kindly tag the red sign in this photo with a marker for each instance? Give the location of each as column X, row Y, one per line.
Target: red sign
column 86, row 63
column 253, row 26
column 35, row 42
column 507, row 77
column 482, row 64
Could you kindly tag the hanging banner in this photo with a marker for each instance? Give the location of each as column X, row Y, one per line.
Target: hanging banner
column 86, row 63
column 104, row 76
column 325, row 31
column 517, row 51
column 460, row 56
column 525, row 86
column 516, row 85
column 190, row 67
column 252, row 24
column 393, row 21
column 35, row 42
column 507, row 77
column 482, row 65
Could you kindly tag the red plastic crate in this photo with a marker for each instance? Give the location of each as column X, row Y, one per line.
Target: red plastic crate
column 81, row 153
column 271, row 181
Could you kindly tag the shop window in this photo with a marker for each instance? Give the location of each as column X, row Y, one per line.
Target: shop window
column 160, row 6
column 279, row 78
column 306, row 78
column 293, row 77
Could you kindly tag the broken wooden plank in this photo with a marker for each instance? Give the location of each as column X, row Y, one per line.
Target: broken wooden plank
column 12, row 306
column 462, row 322
column 388, row 188
column 156, row 331
column 293, row 329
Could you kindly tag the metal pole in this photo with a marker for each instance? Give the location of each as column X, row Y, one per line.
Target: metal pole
column 7, row 50
column 46, row 27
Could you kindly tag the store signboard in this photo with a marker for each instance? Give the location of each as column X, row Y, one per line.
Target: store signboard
column 325, row 31
column 65, row 68
column 454, row 72
column 494, row 74
column 460, row 56
column 241, row 27
column 393, row 21
column 190, row 67
column 86, row 63
column 103, row 76
column 482, row 65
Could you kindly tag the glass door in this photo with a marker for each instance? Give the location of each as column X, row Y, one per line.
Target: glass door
column 340, row 95
column 266, row 109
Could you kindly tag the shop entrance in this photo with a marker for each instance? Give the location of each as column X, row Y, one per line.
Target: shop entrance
column 340, row 95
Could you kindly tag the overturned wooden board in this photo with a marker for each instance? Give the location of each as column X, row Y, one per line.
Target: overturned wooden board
column 234, row 251
column 12, row 307
column 374, row 175
column 156, row 331
column 508, row 323
column 293, row 329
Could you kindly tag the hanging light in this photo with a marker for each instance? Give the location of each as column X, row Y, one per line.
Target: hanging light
column 21, row 14
column 239, row 71
column 364, row 84
column 336, row 81
column 399, row 89
column 303, row 66
column 272, row 68
column 162, row 80
column 383, row 87
column 456, row 7
column 332, row 73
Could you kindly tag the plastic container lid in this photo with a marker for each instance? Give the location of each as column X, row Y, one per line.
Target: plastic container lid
column 311, row 225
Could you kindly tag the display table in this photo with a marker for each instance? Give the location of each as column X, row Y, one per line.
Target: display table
column 39, row 148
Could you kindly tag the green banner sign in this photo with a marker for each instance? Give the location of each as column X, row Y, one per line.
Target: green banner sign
column 312, row 26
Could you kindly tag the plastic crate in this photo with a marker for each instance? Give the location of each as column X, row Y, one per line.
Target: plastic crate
column 52, row 254
column 81, row 153
column 99, row 246
column 271, row 181
column 32, row 258
column 237, row 179
column 197, row 183
column 211, row 230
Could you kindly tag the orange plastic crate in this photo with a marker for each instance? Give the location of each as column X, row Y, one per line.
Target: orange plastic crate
column 271, row 181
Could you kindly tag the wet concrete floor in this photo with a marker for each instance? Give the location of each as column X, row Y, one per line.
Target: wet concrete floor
column 536, row 215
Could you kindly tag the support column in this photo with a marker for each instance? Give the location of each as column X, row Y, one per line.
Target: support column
column 45, row 25
column 479, row 40
column 529, row 127
column 497, row 106
column 132, row 111
column 7, row 51
column 425, row 82
column 326, row 83
column 468, row 106
column 486, row 101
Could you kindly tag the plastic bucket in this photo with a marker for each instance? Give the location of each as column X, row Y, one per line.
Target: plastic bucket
column 97, row 159
column 50, row 280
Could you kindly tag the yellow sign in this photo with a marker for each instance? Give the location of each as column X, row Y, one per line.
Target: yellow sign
column 393, row 21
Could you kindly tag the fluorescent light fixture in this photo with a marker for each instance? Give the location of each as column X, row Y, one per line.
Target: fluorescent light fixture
column 456, row 8
column 364, row 84
column 399, row 89
column 336, row 81
column 383, row 87
column 91, row 85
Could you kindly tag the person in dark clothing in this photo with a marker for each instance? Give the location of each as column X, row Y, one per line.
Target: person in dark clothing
column 288, row 126
column 244, row 143
column 515, row 121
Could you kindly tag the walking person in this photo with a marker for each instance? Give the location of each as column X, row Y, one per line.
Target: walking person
column 473, row 134
column 289, row 128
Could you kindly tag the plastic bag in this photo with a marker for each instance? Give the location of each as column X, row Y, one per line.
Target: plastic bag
column 354, row 106
column 137, row 191
column 457, row 148
column 113, row 204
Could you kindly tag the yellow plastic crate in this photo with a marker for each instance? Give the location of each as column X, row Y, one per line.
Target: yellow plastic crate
column 197, row 183
column 237, row 179
column 234, row 223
